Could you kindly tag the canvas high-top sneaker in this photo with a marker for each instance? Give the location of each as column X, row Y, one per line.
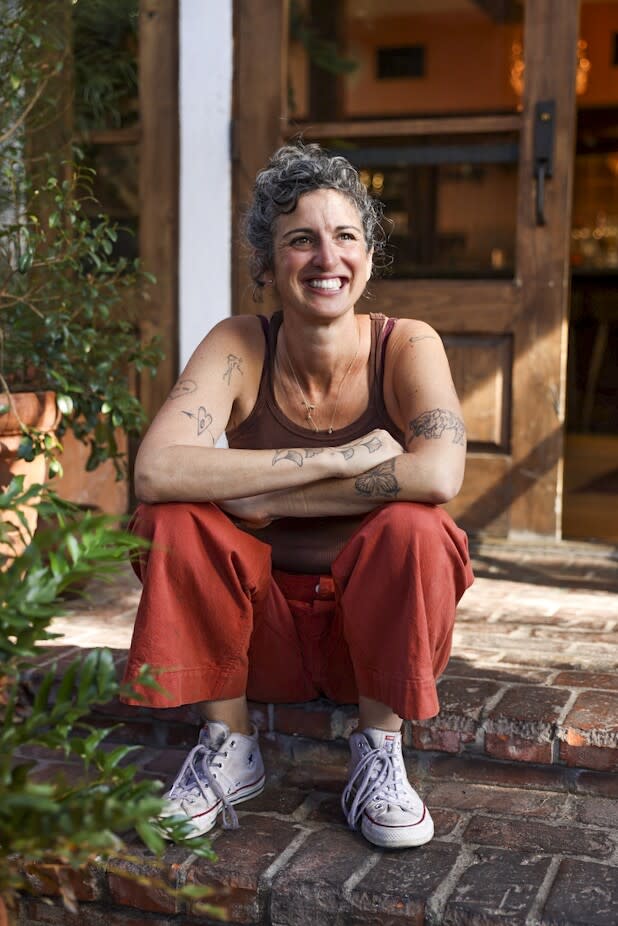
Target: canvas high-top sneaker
column 222, row 770
column 379, row 796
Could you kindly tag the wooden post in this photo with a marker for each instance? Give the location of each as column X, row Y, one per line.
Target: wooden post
column 260, row 118
column 543, row 261
column 158, row 188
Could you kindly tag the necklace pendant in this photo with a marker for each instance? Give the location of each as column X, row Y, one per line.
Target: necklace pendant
column 330, row 430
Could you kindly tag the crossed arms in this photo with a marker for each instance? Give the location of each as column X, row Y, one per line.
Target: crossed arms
column 178, row 460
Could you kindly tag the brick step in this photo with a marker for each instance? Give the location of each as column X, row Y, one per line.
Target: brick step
column 520, row 714
column 517, row 843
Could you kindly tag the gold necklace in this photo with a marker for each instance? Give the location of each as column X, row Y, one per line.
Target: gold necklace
column 309, row 408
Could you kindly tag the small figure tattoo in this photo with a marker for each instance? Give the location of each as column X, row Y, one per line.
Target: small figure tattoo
column 380, row 481
column 183, row 387
column 202, row 417
column 292, row 455
column 432, row 425
column 233, row 363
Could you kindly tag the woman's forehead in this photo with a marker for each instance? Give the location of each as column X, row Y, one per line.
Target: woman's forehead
column 324, row 205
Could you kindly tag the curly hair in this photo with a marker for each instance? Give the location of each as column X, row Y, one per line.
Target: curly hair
column 291, row 171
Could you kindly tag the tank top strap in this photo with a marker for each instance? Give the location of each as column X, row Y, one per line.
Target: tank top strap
column 381, row 328
column 265, row 387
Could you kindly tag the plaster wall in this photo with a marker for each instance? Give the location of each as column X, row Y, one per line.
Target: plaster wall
column 206, row 50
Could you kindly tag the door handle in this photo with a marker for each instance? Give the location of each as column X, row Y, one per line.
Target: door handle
column 543, row 158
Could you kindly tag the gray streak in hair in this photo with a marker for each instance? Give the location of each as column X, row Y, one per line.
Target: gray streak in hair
column 292, row 171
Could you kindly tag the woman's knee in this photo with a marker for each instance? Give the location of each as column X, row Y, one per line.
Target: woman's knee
column 154, row 520
column 404, row 520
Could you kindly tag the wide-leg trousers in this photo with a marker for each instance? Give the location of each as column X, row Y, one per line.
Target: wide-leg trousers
column 216, row 621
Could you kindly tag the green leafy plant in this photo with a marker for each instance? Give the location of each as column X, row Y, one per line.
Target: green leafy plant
column 67, row 323
column 68, row 307
column 68, row 822
column 105, row 62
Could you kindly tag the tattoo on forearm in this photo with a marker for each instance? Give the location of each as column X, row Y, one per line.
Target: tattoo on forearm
column 202, row 418
column 233, row 363
column 313, row 452
column 183, row 387
column 292, row 455
column 432, row 425
column 423, row 337
column 372, row 445
column 380, row 481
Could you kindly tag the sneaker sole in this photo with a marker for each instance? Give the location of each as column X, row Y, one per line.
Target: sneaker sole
column 204, row 826
column 397, row 837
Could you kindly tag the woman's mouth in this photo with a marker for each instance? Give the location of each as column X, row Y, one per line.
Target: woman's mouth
column 332, row 284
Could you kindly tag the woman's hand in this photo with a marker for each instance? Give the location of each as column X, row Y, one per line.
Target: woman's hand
column 367, row 452
column 250, row 511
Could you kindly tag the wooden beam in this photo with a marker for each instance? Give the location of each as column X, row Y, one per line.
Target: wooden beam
column 158, row 188
column 502, row 11
column 260, row 115
column 393, row 128
column 325, row 91
column 543, row 261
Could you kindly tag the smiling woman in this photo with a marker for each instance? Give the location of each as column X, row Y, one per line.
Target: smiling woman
column 310, row 556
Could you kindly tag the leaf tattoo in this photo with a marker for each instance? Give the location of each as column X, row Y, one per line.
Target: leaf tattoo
column 432, row 425
column 313, row 452
column 292, row 455
column 183, row 387
column 202, row 417
column 372, row 445
column 347, row 453
column 380, row 482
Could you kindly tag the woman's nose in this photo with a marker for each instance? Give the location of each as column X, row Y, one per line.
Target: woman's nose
column 326, row 255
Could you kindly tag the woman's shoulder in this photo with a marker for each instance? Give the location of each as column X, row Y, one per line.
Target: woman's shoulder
column 407, row 330
column 242, row 333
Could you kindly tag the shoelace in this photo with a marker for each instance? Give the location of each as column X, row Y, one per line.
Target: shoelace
column 188, row 777
column 375, row 776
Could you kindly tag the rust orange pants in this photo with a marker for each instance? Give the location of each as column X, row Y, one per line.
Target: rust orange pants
column 216, row 621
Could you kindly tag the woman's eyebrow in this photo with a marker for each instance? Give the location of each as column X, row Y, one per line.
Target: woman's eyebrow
column 295, row 231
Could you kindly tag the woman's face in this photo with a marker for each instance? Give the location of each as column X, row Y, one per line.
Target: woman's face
column 321, row 261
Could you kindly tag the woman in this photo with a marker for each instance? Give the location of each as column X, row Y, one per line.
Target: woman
column 309, row 556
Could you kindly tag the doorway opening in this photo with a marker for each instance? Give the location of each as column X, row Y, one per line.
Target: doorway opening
column 590, row 502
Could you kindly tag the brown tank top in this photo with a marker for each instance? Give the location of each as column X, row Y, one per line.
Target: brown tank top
column 309, row 545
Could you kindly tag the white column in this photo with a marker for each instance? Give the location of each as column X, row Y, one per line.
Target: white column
column 205, row 89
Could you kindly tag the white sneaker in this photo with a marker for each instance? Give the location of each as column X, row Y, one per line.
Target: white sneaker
column 223, row 769
column 379, row 794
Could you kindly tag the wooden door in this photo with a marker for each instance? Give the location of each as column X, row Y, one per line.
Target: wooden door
column 506, row 337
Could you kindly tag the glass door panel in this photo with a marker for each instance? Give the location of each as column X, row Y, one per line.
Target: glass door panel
column 399, row 58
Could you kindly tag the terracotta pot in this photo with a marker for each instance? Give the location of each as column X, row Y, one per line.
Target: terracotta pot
column 36, row 410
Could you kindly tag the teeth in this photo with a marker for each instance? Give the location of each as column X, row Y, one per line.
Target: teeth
column 325, row 284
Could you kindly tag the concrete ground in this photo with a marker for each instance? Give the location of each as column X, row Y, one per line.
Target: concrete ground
column 518, row 770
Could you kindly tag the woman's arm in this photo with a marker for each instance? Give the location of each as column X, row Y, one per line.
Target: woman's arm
column 200, row 474
column 400, row 478
column 178, row 459
column 421, row 398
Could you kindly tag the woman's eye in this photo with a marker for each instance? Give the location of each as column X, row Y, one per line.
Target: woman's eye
column 348, row 236
column 301, row 240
